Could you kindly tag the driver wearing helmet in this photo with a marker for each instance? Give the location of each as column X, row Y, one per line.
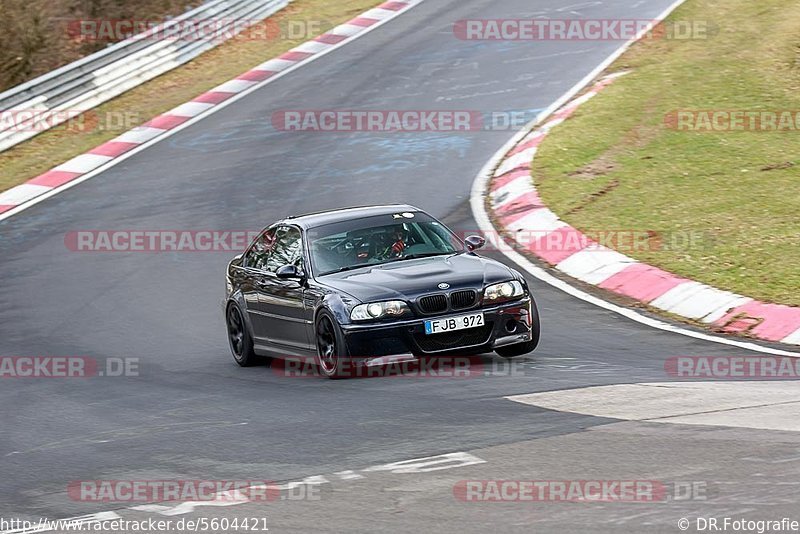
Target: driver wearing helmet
column 396, row 240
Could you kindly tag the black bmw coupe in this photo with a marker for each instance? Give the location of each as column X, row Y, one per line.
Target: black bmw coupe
column 363, row 285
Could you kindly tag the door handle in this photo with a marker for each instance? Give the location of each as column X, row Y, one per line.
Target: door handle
column 262, row 283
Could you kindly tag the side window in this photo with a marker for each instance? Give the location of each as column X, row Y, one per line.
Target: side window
column 288, row 249
column 258, row 254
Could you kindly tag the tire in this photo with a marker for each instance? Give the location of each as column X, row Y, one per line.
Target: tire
column 239, row 338
column 331, row 348
column 519, row 349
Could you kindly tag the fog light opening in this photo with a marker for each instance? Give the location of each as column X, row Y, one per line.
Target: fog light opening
column 511, row 326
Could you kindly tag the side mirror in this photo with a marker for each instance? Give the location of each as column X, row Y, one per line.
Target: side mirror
column 288, row 272
column 474, row 242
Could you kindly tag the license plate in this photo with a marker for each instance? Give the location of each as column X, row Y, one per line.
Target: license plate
column 449, row 324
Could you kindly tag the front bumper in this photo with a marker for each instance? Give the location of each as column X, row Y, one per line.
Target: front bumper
column 504, row 324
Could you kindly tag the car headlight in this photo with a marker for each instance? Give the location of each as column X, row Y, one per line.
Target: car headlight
column 503, row 291
column 379, row 310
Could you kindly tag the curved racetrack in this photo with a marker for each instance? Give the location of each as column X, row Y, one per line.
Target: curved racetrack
column 193, row 414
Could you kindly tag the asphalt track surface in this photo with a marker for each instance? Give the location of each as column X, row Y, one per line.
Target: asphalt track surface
column 193, row 414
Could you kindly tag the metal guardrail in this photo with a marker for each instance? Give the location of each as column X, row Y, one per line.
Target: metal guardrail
column 55, row 97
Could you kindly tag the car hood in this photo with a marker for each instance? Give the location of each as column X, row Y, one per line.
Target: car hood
column 408, row 279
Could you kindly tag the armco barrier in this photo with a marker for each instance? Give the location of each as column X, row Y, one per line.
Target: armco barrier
column 97, row 78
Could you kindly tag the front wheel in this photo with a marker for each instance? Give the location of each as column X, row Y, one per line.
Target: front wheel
column 331, row 353
column 518, row 349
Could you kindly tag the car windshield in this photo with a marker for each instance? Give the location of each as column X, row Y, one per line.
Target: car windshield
column 379, row 239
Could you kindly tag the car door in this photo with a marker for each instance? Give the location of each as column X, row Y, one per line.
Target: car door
column 253, row 271
column 282, row 300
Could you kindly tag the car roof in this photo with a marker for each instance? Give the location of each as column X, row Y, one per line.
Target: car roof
column 312, row 220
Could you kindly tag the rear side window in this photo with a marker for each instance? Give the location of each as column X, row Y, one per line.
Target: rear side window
column 258, row 254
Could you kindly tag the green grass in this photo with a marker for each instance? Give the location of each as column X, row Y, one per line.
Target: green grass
column 616, row 165
column 161, row 94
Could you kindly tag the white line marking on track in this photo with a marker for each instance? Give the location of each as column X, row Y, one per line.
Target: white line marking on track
column 348, row 475
column 426, row 464
column 431, row 463
column 185, row 507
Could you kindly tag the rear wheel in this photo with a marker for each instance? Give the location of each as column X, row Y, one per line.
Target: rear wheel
column 509, row 351
column 239, row 338
column 331, row 355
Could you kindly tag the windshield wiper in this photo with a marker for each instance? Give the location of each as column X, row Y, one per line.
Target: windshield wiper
column 348, row 268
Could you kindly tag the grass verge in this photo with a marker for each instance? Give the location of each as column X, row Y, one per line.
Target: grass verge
column 161, row 94
column 620, row 163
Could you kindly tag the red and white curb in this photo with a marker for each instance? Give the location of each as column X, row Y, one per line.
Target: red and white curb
column 99, row 158
column 520, row 212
